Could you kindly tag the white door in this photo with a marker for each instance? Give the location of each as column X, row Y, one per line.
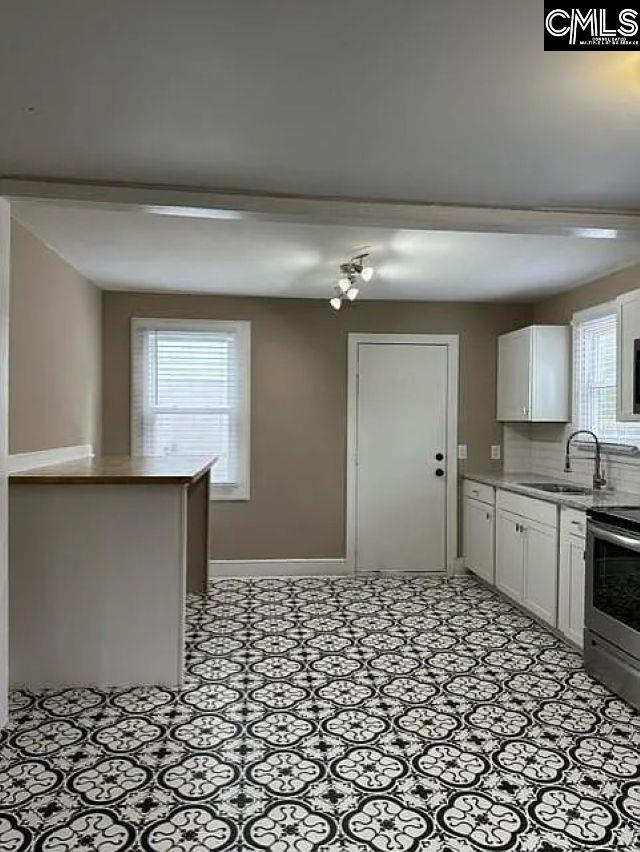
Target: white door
column 401, row 426
column 540, row 570
column 514, row 377
column 479, row 538
column 571, row 591
column 509, row 555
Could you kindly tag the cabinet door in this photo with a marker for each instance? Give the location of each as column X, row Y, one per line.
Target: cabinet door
column 514, row 375
column 571, row 588
column 509, row 555
column 550, row 359
column 479, row 538
column 540, row 570
column 628, row 333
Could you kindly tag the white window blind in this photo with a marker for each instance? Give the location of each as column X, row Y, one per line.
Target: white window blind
column 190, row 395
column 595, row 384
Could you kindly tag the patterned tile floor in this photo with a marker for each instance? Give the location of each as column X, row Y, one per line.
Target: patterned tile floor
column 384, row 714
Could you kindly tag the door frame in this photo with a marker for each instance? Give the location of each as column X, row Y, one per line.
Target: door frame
column 451, row 341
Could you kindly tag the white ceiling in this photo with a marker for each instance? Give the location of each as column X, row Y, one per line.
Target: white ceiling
column 434, row 100
column 138, row 250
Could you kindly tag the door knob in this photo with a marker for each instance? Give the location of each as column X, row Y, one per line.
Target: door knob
column 439, row 456
column 439, row 471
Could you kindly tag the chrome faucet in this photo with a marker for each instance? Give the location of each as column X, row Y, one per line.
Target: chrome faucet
column 599, row 480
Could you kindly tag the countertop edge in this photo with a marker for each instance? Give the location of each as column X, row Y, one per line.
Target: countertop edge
column 599, row 500
column 33, row 478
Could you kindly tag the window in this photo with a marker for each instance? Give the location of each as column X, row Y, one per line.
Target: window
column 595, row 349
column 190, row 395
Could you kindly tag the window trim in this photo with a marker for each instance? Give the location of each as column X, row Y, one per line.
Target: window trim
column 242, row 328
column 578, row 317
column 603, row 309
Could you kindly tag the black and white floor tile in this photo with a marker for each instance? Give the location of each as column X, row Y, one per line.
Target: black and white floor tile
column 376, row 714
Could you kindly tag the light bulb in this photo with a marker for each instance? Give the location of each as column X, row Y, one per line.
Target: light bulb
column 367, row 273
column 336, row 303
column 352, row 292
column 344, row 284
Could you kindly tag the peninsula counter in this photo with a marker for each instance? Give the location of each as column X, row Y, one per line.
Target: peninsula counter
column 102, row 552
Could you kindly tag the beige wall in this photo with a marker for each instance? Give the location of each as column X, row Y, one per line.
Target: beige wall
column 299, row 404
column 54, row 350
column 559, row 309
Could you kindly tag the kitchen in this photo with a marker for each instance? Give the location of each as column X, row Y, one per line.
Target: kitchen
column 319, row 428
column 560, row 542
column 475, row 693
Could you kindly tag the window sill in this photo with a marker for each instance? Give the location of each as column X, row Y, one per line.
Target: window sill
column 609, row 449
column 225, row 494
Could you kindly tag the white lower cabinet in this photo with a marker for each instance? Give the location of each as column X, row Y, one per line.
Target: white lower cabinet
column 527, row 553
column 479, row 538
column 541, row 570
column 509, row 555
column 515, row 546
column 571, row 575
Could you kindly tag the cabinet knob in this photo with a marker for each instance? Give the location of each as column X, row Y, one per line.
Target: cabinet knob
column 439, row 471
column 439, row 456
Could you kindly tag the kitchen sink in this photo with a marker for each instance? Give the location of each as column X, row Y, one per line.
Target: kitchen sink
column 557, row 488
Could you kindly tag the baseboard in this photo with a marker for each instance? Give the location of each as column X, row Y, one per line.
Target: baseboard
column 277, row 567
column 459, row 568
column 18, row 462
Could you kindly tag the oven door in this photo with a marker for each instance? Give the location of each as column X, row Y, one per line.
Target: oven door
column 612, row 589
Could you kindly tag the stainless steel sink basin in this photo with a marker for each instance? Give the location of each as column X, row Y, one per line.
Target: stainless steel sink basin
column 557, row 488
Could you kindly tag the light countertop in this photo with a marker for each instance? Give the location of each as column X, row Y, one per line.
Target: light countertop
column 517, row 482
column 120, row 470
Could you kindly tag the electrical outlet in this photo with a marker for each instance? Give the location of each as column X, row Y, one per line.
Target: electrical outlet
column 462, row 451
column 495, row 451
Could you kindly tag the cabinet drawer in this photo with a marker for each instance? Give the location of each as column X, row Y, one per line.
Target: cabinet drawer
column 479, row 491
column 528, row 507
column 573, row 522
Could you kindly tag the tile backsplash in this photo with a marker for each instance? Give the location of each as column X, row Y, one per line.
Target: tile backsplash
column 540, row 447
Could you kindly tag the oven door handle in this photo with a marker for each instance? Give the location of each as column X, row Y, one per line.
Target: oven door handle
column 611, row 535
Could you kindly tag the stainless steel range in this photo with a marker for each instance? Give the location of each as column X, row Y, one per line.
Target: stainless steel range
column 612, row 600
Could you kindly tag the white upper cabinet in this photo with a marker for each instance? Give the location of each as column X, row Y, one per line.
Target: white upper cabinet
column 628, row 312
column 533, row 374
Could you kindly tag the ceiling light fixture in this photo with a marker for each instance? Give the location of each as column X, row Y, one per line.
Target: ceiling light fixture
column 352, row 274
column 596, row 233
column 194, row 212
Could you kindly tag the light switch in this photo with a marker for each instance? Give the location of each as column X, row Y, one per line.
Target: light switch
column 495, row 451
column 462, row 451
